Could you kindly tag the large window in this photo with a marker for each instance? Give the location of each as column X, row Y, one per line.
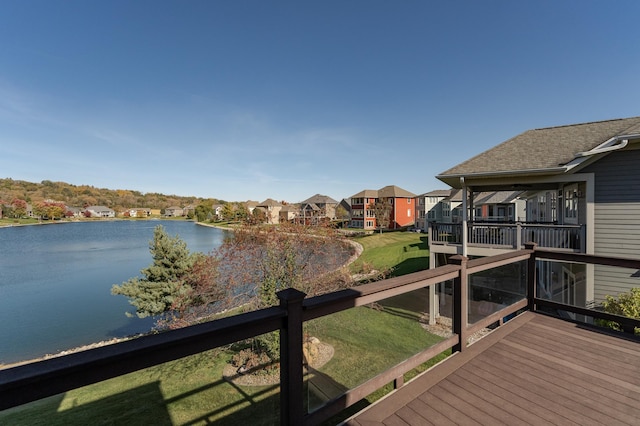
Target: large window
column 571, row 204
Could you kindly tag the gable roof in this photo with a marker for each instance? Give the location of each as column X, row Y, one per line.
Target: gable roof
column 395, row 192
column 367, row 193
column 319, row 199
column 546, row 150
column 269, row 202
column 99, row 208
column 390, row 191
column 437, row 193
column 310, row 206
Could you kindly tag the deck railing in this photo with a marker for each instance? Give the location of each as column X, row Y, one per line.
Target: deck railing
column 511, row 235
column 25, row 383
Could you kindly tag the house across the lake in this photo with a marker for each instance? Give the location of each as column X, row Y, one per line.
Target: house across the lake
column 394, row 204
column 100, row 211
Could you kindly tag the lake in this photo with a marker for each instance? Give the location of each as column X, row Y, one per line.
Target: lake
column 55, row 281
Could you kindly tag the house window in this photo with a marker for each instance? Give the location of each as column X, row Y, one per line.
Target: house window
column 369, row 224
column 408, row 200
column 409, row 212
column 502, row 213
column 571, row 204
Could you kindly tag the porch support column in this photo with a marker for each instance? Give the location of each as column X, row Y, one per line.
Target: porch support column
column 434, row 298
column 532, row 279
column 465, row 217
column 291, row 374
column 460, row 307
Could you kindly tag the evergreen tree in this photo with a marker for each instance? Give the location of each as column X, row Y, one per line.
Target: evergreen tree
column 163, row 279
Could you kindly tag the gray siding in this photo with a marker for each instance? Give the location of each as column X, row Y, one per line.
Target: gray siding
column 617, row 219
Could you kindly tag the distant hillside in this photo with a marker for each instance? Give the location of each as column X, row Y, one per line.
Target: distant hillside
column 85, row 195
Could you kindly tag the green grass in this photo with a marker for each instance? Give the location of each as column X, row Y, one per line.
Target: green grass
column 399, row 252
column 191, row 390
column 13, row 222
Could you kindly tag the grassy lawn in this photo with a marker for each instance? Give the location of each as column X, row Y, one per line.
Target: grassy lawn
column 13, row 222
column 192, row 391
column 399, row 252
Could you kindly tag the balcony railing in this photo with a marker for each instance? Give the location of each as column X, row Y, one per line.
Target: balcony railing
column 30, row 382
column 511, row 235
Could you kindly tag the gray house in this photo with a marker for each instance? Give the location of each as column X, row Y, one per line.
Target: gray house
column 100, row 211
column 429, row 207
column 173, row 211
column 581, row 186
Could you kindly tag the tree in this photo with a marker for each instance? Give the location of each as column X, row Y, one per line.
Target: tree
column 242, row 212
column 382, row 213
column 342, row 213
column 165, row 278
column 228, row 212
column 626, row 305
column 49, row 209
column 19, row 207
column 258, row 216
column 201, row 295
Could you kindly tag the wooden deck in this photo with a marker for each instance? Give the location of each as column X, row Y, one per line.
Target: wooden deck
column 535, row 370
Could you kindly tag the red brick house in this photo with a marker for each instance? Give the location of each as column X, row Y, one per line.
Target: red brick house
column 390, row 204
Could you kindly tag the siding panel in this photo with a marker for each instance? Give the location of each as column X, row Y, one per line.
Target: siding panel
column 617, row 219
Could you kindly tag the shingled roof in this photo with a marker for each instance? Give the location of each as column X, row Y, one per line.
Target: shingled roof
column 390, row 191
column 319, row 199
column 543, row 149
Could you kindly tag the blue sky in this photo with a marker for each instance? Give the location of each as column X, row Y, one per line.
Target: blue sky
column 242, row 100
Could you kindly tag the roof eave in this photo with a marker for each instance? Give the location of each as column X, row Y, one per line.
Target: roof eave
column 454, row 179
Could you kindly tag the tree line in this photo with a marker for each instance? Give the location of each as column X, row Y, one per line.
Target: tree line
column 86, row 195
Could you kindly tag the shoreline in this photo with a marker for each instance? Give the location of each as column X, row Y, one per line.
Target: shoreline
column 94, row 219
column 358, row 249
column 4, row 366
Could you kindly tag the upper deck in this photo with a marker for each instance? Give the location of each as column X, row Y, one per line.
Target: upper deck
column 534, row 369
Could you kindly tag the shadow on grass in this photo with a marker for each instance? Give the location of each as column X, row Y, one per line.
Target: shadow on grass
column 146, row 405
column 408, row 266
column 141, row 405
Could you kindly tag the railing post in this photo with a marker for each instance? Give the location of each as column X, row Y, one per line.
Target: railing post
column 518, row 236
column 291, row 374
column 532, row 289
column 460, row 314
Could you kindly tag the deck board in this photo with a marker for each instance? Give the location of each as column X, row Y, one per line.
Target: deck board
column 533, row 370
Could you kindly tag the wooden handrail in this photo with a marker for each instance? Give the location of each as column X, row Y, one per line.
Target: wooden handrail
column 29, row 382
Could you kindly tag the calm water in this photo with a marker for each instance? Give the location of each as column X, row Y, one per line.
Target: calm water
column 55, row 281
